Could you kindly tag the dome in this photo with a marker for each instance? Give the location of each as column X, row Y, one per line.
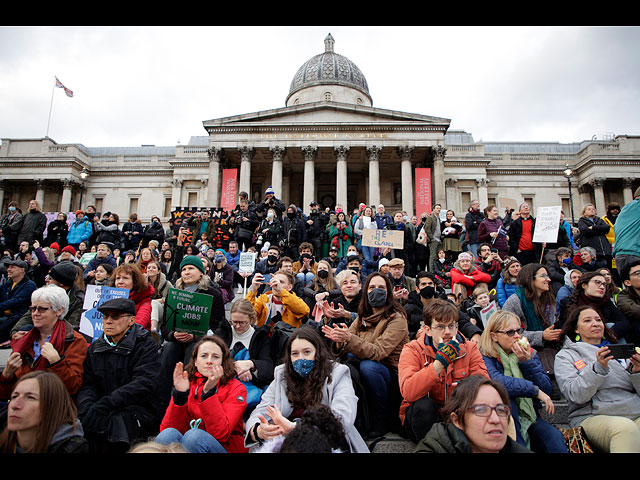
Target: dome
column 330, row 68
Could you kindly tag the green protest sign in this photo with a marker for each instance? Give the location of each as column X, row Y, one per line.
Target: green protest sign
column 189, row 311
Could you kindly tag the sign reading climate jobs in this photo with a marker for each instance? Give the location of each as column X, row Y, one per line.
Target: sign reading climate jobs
column 189, row 311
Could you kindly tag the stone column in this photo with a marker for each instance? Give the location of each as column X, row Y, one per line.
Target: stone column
column 246, row 154
column 373, row 154
column 585, row 197
column 483, row 196
column 176, row 192
column 438, row 174
column 407, row 179
column 213, row 186
column 598, row 196
column 450, row 194
column 65, row 204
column 309, row 187
column 627, row 193
column 3, row 186
column 342, row 153
column 40, row 186
column 204, row 194
column 276, row 169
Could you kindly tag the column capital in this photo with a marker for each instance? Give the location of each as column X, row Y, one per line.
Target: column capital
column 597, row 182
column 247, row 153
column 309, row 152
column 439, row 152
column 204, row 180
column 215, row 153
column 482, row 182
column 342, row 152
column 627, row 182
column 278, row 152
column 68, row 183
column 176, row 182
column 373, row 152
column 42, row 183
column 450, row 182
column 405, row 152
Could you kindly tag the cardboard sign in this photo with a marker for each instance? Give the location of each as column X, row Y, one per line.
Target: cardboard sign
column 547, row 225
column 189, row 311
column 247, row 262
column 91, row 319
column 383, row 238
column 486, row 312
column 180, row 217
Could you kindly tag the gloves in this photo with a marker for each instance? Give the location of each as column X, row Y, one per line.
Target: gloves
column 448, row 352
column 96, row 419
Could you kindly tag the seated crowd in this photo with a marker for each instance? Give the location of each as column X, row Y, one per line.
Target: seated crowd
column 328, row 344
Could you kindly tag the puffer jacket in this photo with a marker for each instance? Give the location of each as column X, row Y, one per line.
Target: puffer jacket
column 457, row 276
column 417, row 375
column 592, row 389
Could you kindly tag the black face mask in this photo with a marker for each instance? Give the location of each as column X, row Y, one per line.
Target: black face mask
column 427, row 292
column 306, row 256
column 355, row 269
column 291, row 215
column 272, row 258
column 323, row 274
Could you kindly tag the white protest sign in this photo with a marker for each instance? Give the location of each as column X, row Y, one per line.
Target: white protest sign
column 486, row 312
column 383, row 238
column 547, row 225
column 91, row 319
column 247, row 262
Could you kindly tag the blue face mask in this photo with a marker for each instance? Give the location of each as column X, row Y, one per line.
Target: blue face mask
column 303, row 367
column 566, row 261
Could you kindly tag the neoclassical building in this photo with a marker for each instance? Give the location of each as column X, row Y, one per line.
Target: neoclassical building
column 330, row 144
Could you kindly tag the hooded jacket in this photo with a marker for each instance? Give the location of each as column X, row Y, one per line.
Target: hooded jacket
column 142, row 299
column 417, row 375
column 592, row 389
column 447, row 438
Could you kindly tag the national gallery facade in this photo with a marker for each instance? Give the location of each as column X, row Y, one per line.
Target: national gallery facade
column 329, row 144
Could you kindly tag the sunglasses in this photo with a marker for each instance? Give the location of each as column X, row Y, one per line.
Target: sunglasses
column 511, row 333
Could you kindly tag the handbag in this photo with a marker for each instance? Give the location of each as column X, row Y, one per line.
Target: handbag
column 422, row 237
column 576, row 440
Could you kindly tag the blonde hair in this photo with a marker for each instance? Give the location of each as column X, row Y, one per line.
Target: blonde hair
column 155, row 447
column 242, row 305
column 488, row 347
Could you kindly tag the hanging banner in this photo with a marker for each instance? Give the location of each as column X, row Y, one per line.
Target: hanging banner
column 228, row 193
column 423, row 191
column 183, row 217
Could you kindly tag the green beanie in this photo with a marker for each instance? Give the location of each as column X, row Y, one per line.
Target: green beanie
column 192, row 260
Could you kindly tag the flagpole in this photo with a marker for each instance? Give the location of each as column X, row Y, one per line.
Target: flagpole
column 50, row 107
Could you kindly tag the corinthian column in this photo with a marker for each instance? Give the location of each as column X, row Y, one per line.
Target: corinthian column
column 246, row 154
column 342, row 153
column 373, row 153
column 407, row 179
column 276, row 170
column 308, row 193
column 213, row 187
column 438, row 174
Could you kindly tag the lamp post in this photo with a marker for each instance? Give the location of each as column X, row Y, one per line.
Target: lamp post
column 568, row 173
column 83, row 176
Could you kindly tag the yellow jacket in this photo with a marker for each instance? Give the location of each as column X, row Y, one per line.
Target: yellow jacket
column 294, row 309
column 611, row 237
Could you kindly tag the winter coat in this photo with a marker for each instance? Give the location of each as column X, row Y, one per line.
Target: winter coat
column 447, row 438
column 10, row 224
column 273, row 232
column 153, row 231
column 341, row 238
column 132, row 235
column 595, row 237
column 95, row 261
column 123, row 378
column 488, row 226
column 457, row 276
column 142, row 299
column 294, row 309
column 627, row 230
column 515, row 233
column 69, row 368
column 57, row 231
column 377, row 338
column 628, row 303
column 417, row 376
column 338, row 394
column 557, row 273
column 504, row 290
column 223, row 277
column 514, row 305
column 590, row 389
column 79, row 231
column 33, row 227
column 109, row 234
column 220, row 410
column 15, row 301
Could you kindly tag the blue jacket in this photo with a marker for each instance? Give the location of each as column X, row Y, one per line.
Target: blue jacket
column 504, row 291
column 233, row 260
column 16, row 301
column 95, row 261
column 383, row 221
column 79, row 231
column 535, row 378
column 627, row 230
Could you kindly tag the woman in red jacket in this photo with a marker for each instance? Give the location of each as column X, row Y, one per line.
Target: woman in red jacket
column 129, row 276
column 207, row 404
column 465, row 276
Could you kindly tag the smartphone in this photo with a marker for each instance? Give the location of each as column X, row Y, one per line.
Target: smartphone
column 622, row 350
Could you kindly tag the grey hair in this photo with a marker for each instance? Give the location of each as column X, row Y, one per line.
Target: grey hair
column 53, row 295
column 590, row 250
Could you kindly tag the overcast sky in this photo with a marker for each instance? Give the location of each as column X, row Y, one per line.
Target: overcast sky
column 146, row 85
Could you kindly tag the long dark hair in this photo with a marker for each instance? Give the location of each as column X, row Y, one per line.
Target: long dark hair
column 570, row 325
column 306, row 392
column 579, row 291
column 540, row 302
column 391, row 306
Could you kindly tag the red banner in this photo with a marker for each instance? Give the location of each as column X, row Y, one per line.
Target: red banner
column 229, row 189
column 423, row 191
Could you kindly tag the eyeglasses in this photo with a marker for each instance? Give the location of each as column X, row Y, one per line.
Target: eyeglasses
column 442, row 328
column 115, row 316
column 39, row 308
column 598, row 283
column 635, row 274
column 511, row 333
column 542, row 275
column 501, row 410
column 239, row 324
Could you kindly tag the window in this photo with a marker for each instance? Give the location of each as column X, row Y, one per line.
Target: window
column 328, row 97
column 133, row 205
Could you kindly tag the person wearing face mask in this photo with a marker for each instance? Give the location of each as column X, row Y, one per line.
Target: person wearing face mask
column 305, row 267
column 431, row 366
column 307, row 377
column 372, row 346
column 153, row 231
column 426, row 290
column 558, row 269
column 271, row 228
column 222, row 275
column 322, row 286
column 294, row 232
column 10, row 226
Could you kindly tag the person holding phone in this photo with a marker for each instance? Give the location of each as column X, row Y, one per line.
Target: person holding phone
column 602, row 391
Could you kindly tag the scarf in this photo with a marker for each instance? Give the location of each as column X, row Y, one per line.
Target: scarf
column 534, row 322
column 57, row 337
column 596, row 302
column 526, row 412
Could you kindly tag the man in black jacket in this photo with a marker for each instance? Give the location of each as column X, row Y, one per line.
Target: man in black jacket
column 117, row 403
column 316, row 226
column 247, row 221
column 472, row 221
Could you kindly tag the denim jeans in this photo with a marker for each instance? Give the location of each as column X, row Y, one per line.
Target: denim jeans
column 193, row 441
column 376, row 379
column 305, row 277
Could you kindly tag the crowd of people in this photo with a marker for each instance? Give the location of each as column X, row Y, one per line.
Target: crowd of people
column 460, row 340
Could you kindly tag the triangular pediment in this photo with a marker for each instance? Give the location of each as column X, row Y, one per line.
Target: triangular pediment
column 326, row 113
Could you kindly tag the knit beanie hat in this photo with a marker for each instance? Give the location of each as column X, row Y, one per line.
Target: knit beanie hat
column 69, row 249
column 64, row 273
column 192, row 260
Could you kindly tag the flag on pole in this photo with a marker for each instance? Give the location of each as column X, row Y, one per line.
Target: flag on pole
column 66, row 90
